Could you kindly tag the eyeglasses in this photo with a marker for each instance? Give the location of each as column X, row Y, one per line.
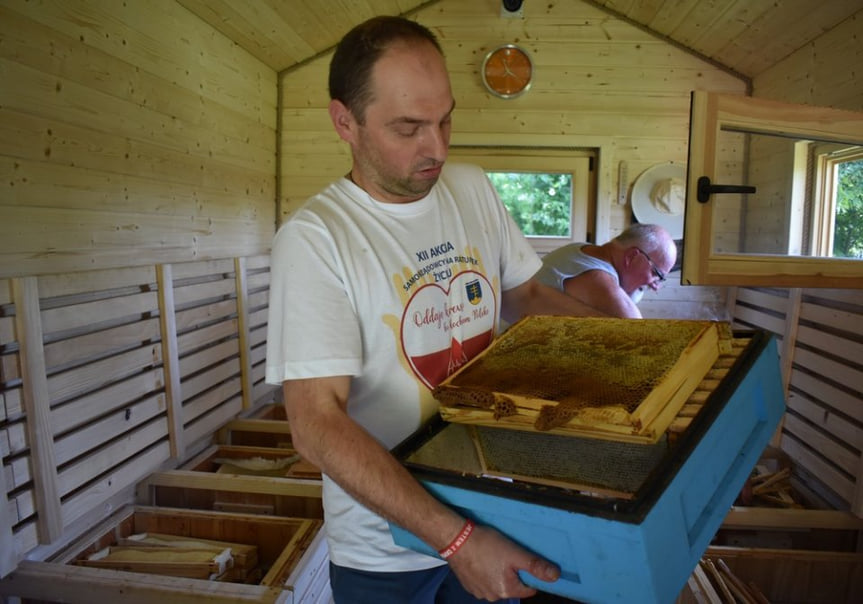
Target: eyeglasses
column 659, row 274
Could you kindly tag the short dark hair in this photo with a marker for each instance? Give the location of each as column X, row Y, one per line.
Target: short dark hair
column 359, row 50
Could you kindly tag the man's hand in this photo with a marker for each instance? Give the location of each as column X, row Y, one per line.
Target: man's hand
column 487, row 566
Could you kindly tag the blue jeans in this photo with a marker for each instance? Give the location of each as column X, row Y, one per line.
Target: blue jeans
column 436, row 585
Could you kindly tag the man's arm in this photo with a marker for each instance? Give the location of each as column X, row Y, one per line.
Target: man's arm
column 324, row 434
column 535, row 298
column 601, row 290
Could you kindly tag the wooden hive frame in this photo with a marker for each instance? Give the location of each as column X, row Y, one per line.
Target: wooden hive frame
column 462, row 402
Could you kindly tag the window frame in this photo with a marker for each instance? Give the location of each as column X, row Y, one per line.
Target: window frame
column 713, row 112
column 577, row 162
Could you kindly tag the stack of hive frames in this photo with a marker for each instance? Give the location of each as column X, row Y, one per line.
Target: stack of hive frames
column 617, row 379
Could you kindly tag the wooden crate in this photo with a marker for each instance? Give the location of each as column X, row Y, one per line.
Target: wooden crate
column 268, row 427
column 290, row 550
column 219, row 458
column 191, row 489
column 783, row 576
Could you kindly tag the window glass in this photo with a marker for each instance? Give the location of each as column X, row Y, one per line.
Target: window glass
column 539, row 202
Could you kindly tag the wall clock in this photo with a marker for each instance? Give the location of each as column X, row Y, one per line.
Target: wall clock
column 507, row 71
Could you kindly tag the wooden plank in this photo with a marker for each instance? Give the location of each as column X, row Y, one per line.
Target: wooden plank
column 818, row 467
column 826, row 446
column 242, row 289
column 819, row 338
column 104, row 457
column 101, row 342
column 97, row 374
column 8, row 555
column 838, row 426
column 204, row 336
column 827, row 394
column 205, row 425
column 749, row 517
column 121, row 479
column 171, row 360
column 123, row 419
column 72, row 284
column 759, row 319
column 216, row 374
column 828, row 368
column 192, row 317
column 206, row 357
column 210, row 396
column 36, row 400
column 198, row 293
column 185, row 272
column 87, row 314
column 117, row 397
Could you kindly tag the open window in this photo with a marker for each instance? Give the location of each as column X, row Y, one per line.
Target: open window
column 548, row 192
column 768, row 191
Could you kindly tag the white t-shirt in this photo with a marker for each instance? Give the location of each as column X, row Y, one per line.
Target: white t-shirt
column 397, row 296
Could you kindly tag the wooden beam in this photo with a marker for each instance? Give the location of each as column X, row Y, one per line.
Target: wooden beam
column 243, row 331
column 171, row 360
column 37, row 406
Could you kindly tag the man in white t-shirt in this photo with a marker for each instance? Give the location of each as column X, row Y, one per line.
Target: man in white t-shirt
column 381, row 285
column 612, row 276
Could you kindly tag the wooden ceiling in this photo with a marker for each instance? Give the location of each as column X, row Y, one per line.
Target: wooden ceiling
column 745, row 36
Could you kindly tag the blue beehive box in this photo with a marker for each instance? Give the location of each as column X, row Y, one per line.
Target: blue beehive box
column 638, row 548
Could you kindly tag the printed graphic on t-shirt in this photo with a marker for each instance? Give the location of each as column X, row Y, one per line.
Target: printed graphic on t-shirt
column 449, row 319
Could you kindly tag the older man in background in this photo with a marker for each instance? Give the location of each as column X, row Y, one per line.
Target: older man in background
column 611, row 277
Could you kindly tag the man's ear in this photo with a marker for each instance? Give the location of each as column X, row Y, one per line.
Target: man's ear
column 343, row 120
column 629, row 255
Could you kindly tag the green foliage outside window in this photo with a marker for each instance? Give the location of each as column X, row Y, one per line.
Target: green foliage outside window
column 539, row 203
column 848, row 231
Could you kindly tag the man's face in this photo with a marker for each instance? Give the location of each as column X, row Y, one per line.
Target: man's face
column 400, row 148
column 645, row 270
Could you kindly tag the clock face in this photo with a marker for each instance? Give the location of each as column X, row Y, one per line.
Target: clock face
column 507, row 71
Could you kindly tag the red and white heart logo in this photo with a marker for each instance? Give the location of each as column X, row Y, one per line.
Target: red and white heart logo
column 443, row 328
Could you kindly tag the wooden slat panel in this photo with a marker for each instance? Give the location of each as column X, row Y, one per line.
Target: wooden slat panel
column 193, row 386
column 258, row 262
column 97, row 374
column 121, row 478
column 106, row 457
column 836, row 425
column 8, row 554
column 757, row 318
column 826, row 446
column 209, row 356
column 85, row 314
column 101, row 342
column 72, row 284
column 96, row 432
column 834, row 398
column 804, row 457
column 207, row 424
column 36, row 401
column 192, row 340
column 173, row 389
column 833, row 370
column 185, row 271
column 190, row 295
column 116, row 398
column 205, row 314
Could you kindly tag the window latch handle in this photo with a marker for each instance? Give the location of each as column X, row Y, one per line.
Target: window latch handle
column 705, row 189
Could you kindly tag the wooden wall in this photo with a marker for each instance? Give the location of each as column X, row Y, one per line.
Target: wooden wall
column 600, row 83
column 108, row 375
column 823, row 429
column 131, row 133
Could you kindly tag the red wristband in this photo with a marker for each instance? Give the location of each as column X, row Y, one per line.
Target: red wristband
column 460, row 539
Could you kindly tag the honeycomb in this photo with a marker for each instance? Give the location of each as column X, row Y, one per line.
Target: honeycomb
column 568, row 364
